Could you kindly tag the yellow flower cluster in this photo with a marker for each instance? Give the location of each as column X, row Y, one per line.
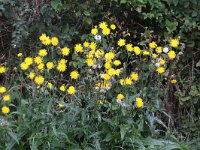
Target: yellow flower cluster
column 5, row 99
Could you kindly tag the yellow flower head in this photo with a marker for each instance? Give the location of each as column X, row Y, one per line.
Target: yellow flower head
column 103, row 25
column 71, row 90
column 74, row 75
column 129, row 47
column 86, row 44
column 65, row 51
column 128, row 81
column 31, row 75
column 110, row 56
column 173, row 81
column 46, row 41
column 120, row 96
column 38, row 60
column 99, row 53
column 161, row 61
column 62, row 88
column 43, row 37
column 171, row 54
column 94, row 31
column 93, row 45
column 42, row 52
column 117, row 72
column 61, row 105
column 54, row 41
column 137, row 50
column 24, row 66
column 159, row 49
column 139, row 102
column 39, row 80
column 112, row 26
column 5, row 110
column 122, row 81
column 2, row 89
column 152, row 45
column 6, row 98
column 90, row 62
column 2, row 69
column 40, row 67
column 154, row 56
column 49, row 85
column 49, row 65
column 160, row 70
column 107, row 65
column 111, row 71
column 78, row 48
column 106, row 31
column 61, row 67
column 121, row 42
column 134, row 76
column 117, row 62
column 19, row 55
column 146, row 53
column 106, row 77
column 174, row 43
column 28, row 60
column 100, row 102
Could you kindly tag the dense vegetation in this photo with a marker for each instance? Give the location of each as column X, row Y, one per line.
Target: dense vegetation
column 102, row 74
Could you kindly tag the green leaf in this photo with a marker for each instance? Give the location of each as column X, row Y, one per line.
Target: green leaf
column 14, row 136
column 55, row 4
column 123, row 132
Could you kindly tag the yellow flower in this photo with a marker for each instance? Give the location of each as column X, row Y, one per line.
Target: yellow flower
column 110, row 55
column 2, row 69
column 54, row 41
column 61, row 105
column 50, row 65
column 65, row 51
column 42, row 52
column 38, row 60
column 106, row 77
column 5, row 110
column 62, row 88
column 71, row 90
column 99, row 53
column 101, row 102
column 120, row 96
column 94, row 31
column 122, row 82
column 146, row 53
column 117, row 62
column 43, row 37
column 93, row 45
column 174, row 43
column 24, row 66
column 161, row 61
column 112, row 26
column 90, row 62
column 2, row 89
column 137, row 50
column 173, row 81
column 134, row 76
column 117, row 72
column 19, row 55
column 61, row 67
column 103, row 25
column 128, row 81
column 31, row 75
column 139, row 102
column 107, row 65
column 154, row 56
column 121, row 42
column 152, row 45
column 46, row 40
column 129, row 47
column 171, row 54
column 86, row 44
column 39, row 79
column 106, row 31
column 6, row 98
column 74, row 75
column 78, row 48
column 160, row 70
column 159, row 49
column 111, row 71
column 49, row 85
column 40, row 67
column 28, row 60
